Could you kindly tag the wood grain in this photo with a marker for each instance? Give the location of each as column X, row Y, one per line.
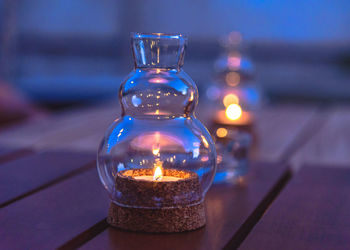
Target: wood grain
column 83, row 129
column 313, row 212
column 277, row 128
column 9, row 154
column 330, row 146
column 228, row 209
column 62, row 130
column 47, row 219
column 23, row 175
column 5, row 151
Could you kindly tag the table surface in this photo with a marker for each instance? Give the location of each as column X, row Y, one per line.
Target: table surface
column 295, row 195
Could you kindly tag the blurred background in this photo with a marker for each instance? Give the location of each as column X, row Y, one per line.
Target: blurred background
column 58, row 54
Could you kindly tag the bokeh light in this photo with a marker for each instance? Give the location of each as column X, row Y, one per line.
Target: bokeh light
column 230, row 99
column 232, row 78
column 233, row 112
column 221, row 132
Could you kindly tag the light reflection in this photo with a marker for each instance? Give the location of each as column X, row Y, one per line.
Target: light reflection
column 195, row 152
column 158, row 80
column 205, row 158
column 206, row 144
column 221, row 132
column 154, row 140
column 136, row 101
column 230, row 99
column 232, row 78
column 191, row 97
column 156, row 149
column 234, row 62
column 218, row 159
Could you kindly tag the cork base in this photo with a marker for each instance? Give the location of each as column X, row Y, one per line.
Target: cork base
column 165, row 220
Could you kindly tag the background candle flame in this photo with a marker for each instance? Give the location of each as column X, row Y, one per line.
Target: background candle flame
column 233, row 111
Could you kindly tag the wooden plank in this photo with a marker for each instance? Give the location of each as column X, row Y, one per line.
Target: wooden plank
column 9, row 154
column 231, row 209
column 277, row 128
column 82, row 130
column 5, row 151
column 67, row 126
column 21, row 176
column 313, row 212
column 330, row 146
column 47, row 219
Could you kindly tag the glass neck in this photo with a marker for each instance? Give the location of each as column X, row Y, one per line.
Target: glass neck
column 158, row 50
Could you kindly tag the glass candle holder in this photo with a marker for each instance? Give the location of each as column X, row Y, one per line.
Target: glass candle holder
column 157, row 160
column 234, row 92
column 233, row 147
column 235, row 96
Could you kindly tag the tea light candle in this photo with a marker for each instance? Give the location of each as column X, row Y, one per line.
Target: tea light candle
column 162, row 188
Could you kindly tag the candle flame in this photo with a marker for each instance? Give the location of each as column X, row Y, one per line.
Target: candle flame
column 233, row 112
column 158, row 171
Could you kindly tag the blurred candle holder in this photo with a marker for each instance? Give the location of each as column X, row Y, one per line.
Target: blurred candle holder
column 235, row 97
column 233, row 142
column 157, row 161
column 235, row 82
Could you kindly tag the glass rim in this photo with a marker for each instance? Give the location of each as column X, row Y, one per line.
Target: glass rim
column 158, row 35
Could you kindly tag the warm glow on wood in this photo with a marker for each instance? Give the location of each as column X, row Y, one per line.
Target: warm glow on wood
column 233, row 112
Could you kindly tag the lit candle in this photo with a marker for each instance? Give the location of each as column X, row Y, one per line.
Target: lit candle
column 234, row 115
column 157, row 175
column 148, row 193
column 139, row 186
column 147, row 189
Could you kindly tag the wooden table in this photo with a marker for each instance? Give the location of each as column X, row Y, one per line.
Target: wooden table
column 294, row 197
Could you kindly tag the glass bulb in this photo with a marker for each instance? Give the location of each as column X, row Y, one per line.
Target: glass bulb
column 157, row 129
